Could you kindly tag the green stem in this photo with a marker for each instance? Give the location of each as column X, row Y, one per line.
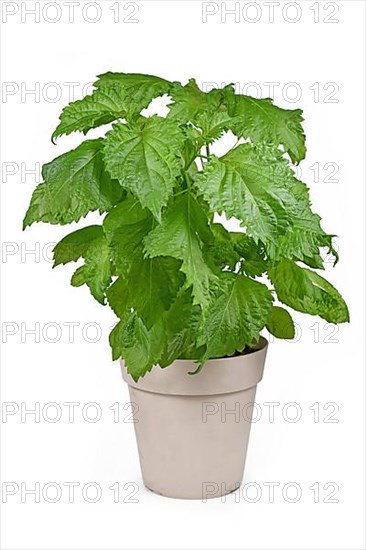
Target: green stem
column 196, row 154
column 234, row 146
column 180, row 193
column 188, row 181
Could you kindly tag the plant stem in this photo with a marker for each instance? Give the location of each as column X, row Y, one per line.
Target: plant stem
column 188, row 181
column 180, row 193
column 235, row 145
column 196, row 154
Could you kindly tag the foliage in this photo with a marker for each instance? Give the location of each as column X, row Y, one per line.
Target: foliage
column 182, row 285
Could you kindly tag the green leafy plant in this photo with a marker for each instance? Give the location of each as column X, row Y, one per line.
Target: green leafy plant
column 181, row 284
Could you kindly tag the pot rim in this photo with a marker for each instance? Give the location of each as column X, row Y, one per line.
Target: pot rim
column 261, row 344
column 218, row 376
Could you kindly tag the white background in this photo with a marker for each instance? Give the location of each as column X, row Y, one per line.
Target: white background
column 324, row 61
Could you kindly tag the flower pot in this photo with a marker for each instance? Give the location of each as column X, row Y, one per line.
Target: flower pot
column 192, row 431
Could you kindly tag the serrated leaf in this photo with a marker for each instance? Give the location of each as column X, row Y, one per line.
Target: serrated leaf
column 118, row 297
column 75, row 184
column 116, row 339
column 118, row 95
column 252, row 254
column 257, row 119
column 131, row 340
column 149, row 288
column 125, row 227
column 172, row 337
column 96, row 272
column 235, row 250
column 207, row 111
column 188, row 101
column 305, row 236
column 280, row 323
column 136, row 350
column 102, row 107
column 235, row 316
column 145, row 161
column 179, row 235
column 180, row 328
column 306, row 291
column 261, row 121
column 244, row 183
column 75, row 245
column 220, row 252
column 137, row 89
column 78, row 277
column 153, row 286
column 303, row 245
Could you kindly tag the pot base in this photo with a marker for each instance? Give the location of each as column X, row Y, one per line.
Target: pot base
column 219, row 495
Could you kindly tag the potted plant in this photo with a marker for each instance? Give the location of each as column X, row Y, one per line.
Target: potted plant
column 191, row 296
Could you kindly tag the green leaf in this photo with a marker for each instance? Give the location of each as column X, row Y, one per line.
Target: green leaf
column 252, row 254
column 303, row 243
column 75, row 184
column 280, row 323
column 125, row 227
column 305, row 236
column 75, row 245
column 116, row 340
column 153, row 285
column 235, row 251
column 180, row 234
column 207, row 111
column 138, row 90
column 244, row 184
column 220, row 252
column 130, row 340
column 149, row 288
column 257, row 119
column 102, row 107
column 139, row 347
column 173, row 337
column 188, row 101
column 118, row 297
column 236, row 315
column 118, row 95
column 96, row 272
column 78, row 277
column 145, row 161
column 306, row 291
column 180, row 328
column 261, row 121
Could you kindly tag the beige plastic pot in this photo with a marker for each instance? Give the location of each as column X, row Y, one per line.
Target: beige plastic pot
column 192, row 431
